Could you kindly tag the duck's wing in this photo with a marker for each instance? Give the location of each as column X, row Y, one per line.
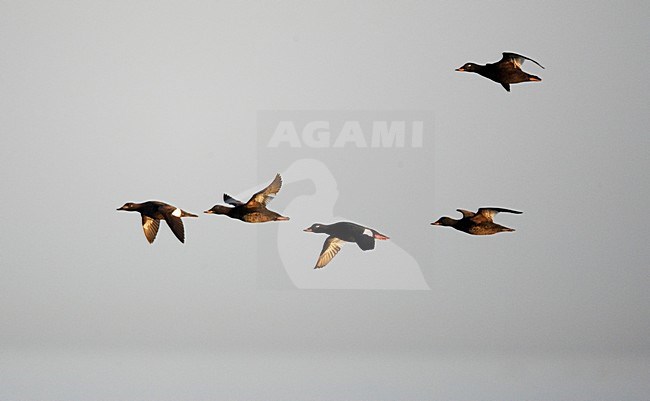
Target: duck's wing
column 466, row 213
column 232, row 201
column 489, row 212
column 331, row 247
column 516, row 59
column 150, row 227
column 176, row 225
column 267, row 194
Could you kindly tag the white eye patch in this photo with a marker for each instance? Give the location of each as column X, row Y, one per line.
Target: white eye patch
column 368, row 233
column 177, row 212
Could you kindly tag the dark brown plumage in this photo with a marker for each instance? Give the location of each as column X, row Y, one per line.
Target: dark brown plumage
column 253, row 211
column 479, row 223
column 343, row 232
column 154, row 211
column 505, row 71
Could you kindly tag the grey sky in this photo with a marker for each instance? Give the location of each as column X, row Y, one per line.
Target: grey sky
column 104, row 103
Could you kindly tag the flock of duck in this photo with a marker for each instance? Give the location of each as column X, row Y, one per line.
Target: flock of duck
column 505, row 71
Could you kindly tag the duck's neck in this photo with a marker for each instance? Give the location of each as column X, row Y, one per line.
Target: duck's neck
column 482, row 69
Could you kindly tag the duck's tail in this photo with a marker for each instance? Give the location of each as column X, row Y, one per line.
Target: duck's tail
column 378, row 235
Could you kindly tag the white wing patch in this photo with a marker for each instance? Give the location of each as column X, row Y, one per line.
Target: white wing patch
column 177, row 212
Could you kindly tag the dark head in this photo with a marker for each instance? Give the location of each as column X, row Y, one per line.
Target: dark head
column 219, row 209
column 315, row 228
column 129, row 206
column 445, row 221
column 469, row 67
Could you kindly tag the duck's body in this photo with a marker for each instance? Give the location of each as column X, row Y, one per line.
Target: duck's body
column 154, row 211
column 253, row 211
column 505, row 71
column 254, row 215
column 341, row 232
column 479, row 223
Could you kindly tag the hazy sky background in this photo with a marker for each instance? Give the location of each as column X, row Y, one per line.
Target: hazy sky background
column 104, row 103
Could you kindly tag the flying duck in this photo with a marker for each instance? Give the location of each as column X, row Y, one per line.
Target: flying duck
column 479, row 223
column 154, row 211
column 343, row 232
column 505, row 71
column 253, row 211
